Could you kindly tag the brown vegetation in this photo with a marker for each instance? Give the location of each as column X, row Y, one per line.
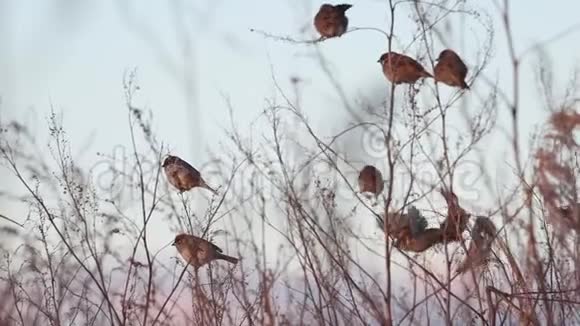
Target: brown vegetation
column 99, row 253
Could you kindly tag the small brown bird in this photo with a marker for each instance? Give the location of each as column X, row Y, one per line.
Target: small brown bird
column 198, row 252
column 331, row 21
column 182, row 175
column 450, row 70
column 370, row 180
column 457, row 217
column 399, row 68
column 482, row 236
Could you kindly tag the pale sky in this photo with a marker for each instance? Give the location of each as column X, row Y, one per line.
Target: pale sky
column 73, row 54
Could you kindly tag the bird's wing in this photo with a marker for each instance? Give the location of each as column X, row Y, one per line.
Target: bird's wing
column 190, row 168
column 200, row 240
column 461, row 67
column 408, row 61
column 455, row 64
column 417, row 222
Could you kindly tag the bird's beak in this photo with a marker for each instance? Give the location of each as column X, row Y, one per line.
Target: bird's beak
column 379, row 60
column 173, row 244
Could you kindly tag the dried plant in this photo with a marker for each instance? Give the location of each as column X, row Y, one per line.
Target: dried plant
column 97, row 251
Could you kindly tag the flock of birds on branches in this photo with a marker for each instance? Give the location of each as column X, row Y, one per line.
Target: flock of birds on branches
column 408, row 230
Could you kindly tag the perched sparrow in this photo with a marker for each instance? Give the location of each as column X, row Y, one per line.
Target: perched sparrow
column 450, row 70
column 198, row 252
column 370, row 180
column 399, row 68
column 330, row 21
column 457, row 217
column 482, row 236
column 182, row 175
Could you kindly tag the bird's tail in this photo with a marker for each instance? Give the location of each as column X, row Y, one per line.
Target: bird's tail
column 227, row 258
column 343, row 7
column 206, row 186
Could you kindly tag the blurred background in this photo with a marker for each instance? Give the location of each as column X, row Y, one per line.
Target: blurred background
column 197, row 60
